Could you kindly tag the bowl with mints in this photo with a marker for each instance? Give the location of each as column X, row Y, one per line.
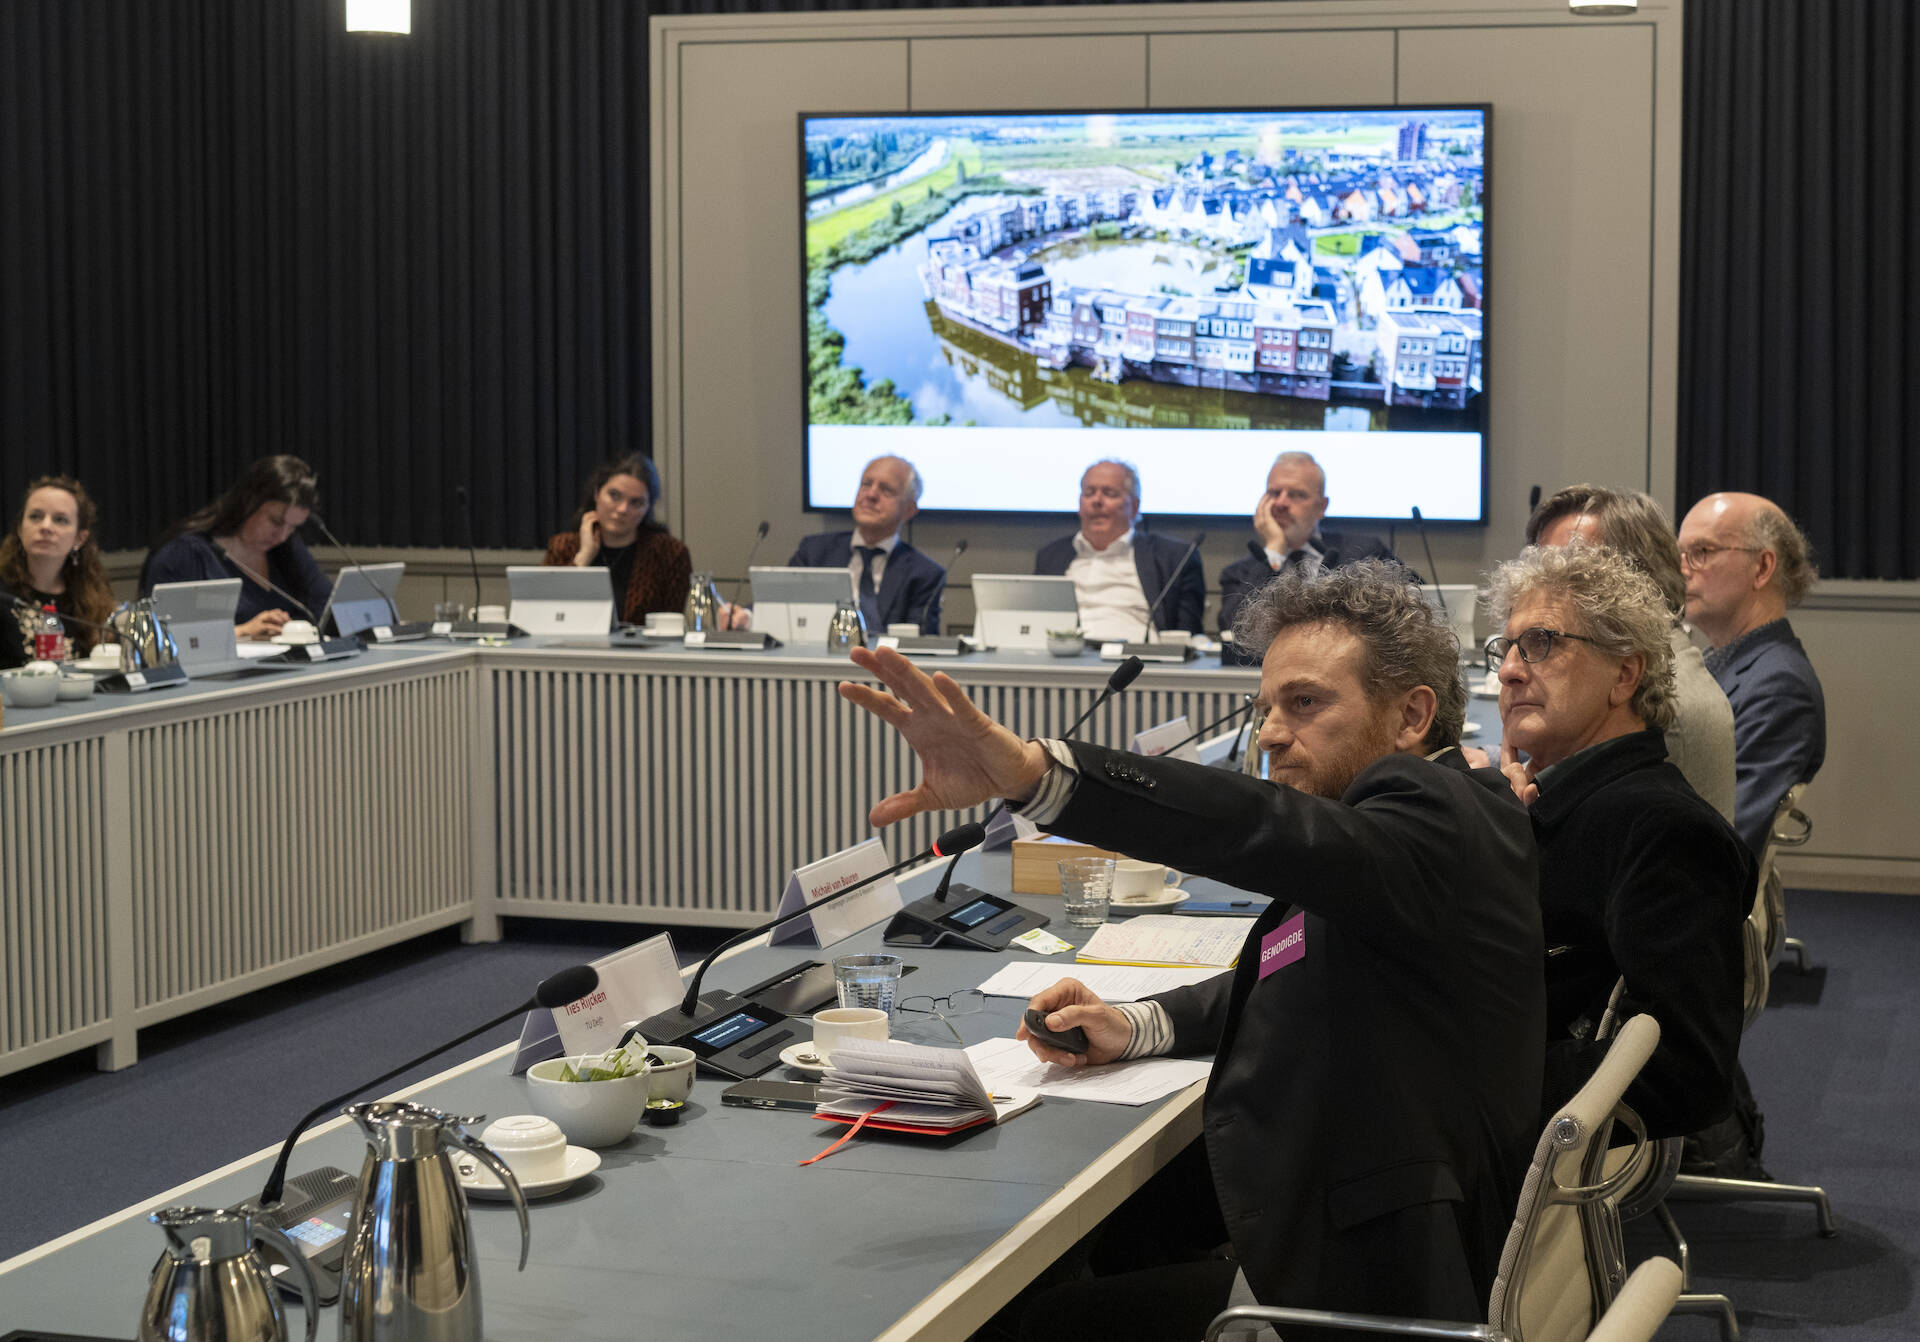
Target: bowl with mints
column 595, row 1098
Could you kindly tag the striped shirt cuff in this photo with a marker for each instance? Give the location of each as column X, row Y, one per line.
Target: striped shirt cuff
column 1152, row 1029
column 1055, row 790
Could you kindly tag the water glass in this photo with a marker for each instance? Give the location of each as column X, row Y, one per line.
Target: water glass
column 448, row 612
column 1086, row 884
column 867, row 980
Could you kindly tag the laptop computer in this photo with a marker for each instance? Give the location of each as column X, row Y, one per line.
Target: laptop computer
column 796, row 605
column 560, row 600
column 1015, row 610
column 200, row 616
column 366, row 597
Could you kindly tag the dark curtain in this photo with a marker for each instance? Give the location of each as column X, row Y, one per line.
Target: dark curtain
column 1800, row 278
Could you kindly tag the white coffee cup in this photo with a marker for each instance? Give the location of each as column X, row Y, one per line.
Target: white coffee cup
column 666, row 622
column 299, row 631
column 1133, row 879
column 907, row 629
column 491, row 615
column 534, row 1147
column 838, row 1025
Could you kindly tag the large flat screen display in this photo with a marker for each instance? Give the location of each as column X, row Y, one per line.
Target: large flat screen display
column 1003, row 299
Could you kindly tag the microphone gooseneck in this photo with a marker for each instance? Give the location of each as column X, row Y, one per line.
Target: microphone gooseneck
column 269, row 584
column 473, row 555
column 955, row 841
column 1172, row 578
column 556, row 990
column 946, row 574
column 760, row 534
column 334, row 541
column 1421, row 522
column 9, row 599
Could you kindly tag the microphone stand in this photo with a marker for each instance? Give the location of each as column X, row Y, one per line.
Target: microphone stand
column 398, row 631
column 1220, row 721
column 1148, row 648
column 738, row 638
column 933, row 645
column 475, row 628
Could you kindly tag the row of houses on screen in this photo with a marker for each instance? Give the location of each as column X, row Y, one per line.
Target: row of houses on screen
column 1393, row 271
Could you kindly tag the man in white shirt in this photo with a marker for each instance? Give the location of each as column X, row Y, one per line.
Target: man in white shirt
column 1118, row 568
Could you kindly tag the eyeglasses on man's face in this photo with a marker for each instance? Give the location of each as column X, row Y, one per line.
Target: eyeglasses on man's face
column 1535, row 644
column 1701, row 553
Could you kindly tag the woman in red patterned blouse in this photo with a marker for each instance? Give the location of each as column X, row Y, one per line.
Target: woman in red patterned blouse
column 650, row 570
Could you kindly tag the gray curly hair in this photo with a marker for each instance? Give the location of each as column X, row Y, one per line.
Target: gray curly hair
column 1406, row 642
column 1615, row 603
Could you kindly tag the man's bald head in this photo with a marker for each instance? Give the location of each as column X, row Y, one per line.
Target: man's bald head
column 1745, row 564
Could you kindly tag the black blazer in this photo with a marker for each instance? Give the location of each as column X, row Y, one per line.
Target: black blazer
column 1153, row 559
column 1240, row 579
column 1372, row 1108
column 910, row 587
column 1641, row 878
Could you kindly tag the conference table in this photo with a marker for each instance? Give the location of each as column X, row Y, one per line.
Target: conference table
column 165, row 851
column 712, row 1228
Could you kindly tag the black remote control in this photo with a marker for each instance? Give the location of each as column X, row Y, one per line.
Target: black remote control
column 1072, row 1040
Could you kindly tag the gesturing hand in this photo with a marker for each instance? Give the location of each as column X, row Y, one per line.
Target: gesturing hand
column 1523, row 785
column 1069, row 1003
column 965, row 756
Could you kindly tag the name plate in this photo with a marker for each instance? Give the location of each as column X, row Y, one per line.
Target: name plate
column 636, row 982
column 820, row 880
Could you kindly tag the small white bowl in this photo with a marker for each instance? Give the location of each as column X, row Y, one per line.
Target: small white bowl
column 76, row 687
column 1065, row 645
column 672, row 1078
column 591, row 1113
column 25, row 691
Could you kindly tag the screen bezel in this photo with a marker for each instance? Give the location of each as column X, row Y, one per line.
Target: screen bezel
column 1333, row 520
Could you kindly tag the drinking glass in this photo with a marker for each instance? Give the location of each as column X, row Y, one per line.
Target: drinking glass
column 1086, row 884
column 867, row 980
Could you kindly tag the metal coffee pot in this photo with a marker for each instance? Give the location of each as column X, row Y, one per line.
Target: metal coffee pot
column 847, row 629
column 211, row 1285
column 144, row 640
column 703, row 604
column 410, row 1273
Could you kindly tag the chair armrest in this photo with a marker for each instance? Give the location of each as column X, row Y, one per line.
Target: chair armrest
column 1372, row 1323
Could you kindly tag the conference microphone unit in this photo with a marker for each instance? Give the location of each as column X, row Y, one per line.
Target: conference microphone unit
column 739, row 1038
column 977, row 920
column 569, row 985
column 476, row 627
column 1148, row 649
column 931, row 645
column 735, row 639
column 397, row 630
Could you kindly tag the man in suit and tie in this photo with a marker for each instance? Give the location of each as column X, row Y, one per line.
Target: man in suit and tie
column 895, row 583
column 1287, row 520
column 1378, row 1051
column 1117, row 567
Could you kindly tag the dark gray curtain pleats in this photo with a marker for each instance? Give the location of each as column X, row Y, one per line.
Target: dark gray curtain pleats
column 1800, row 280
column 228, row 227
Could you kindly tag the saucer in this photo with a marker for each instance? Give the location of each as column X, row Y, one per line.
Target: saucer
column 1173, row 899
column 481, row 1182
column 792, row 1054
column 281, row 640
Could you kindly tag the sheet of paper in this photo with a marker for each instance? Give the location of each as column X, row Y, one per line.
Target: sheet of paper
column 1114, row 983
column 1166, row 939
column 1008, row 1064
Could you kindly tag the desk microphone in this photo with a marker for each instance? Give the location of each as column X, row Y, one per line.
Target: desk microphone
column 399, row 629
column 1242, row 735
column 946, row 575
column 1148, row 647
column 556, row 990
column 269, row 584
column 1220, row 721
column 1421, row 522
column 473, row 556
column 760, row 534
column 933, row 643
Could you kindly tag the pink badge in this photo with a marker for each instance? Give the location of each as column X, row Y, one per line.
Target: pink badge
column 1285, row 944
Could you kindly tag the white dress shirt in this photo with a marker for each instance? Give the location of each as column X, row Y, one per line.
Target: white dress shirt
column 1107, row 585
column 1311, row 559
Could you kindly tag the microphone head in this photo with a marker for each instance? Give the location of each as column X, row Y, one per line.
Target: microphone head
column 1416, row 514
column 569, row 985
column 760, row 532
column 460, row 493
column 1533, row 498
column 1199, row 540
column 960, row 547
column 1125, row 674
column 960, row 839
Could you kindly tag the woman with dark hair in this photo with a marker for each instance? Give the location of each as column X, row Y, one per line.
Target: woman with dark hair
column 50, row 558
column 248, row 533
column 616, row 531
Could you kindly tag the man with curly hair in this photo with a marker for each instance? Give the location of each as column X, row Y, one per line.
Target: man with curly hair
column 1640, row 879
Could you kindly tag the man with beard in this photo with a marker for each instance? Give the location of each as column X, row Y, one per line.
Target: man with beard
column 1377, row 1051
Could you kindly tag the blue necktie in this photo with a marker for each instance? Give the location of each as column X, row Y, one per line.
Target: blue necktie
column 869, row 594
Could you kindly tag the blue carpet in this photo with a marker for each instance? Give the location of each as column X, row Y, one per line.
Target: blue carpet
column 224, row 1082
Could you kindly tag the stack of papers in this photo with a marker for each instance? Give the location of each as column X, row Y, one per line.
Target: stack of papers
column 1010, row 1065
column 1110, row 983
column 911, row 1088
column 1165, row 939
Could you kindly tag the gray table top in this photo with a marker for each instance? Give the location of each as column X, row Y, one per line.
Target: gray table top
column 711, row 1228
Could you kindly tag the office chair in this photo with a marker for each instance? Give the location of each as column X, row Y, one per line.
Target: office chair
column 1560, row 1270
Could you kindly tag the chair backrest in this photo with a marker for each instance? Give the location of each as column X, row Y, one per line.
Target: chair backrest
column 1642, row 1305
column 1767, row 920
column 1558, row 1269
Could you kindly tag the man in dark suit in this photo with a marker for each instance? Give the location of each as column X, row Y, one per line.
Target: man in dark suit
column 1745, row 564
column 1641, row 880
column 1287, row 519
column 1377, row 1051
column 896, row 584
column 1117, row 567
